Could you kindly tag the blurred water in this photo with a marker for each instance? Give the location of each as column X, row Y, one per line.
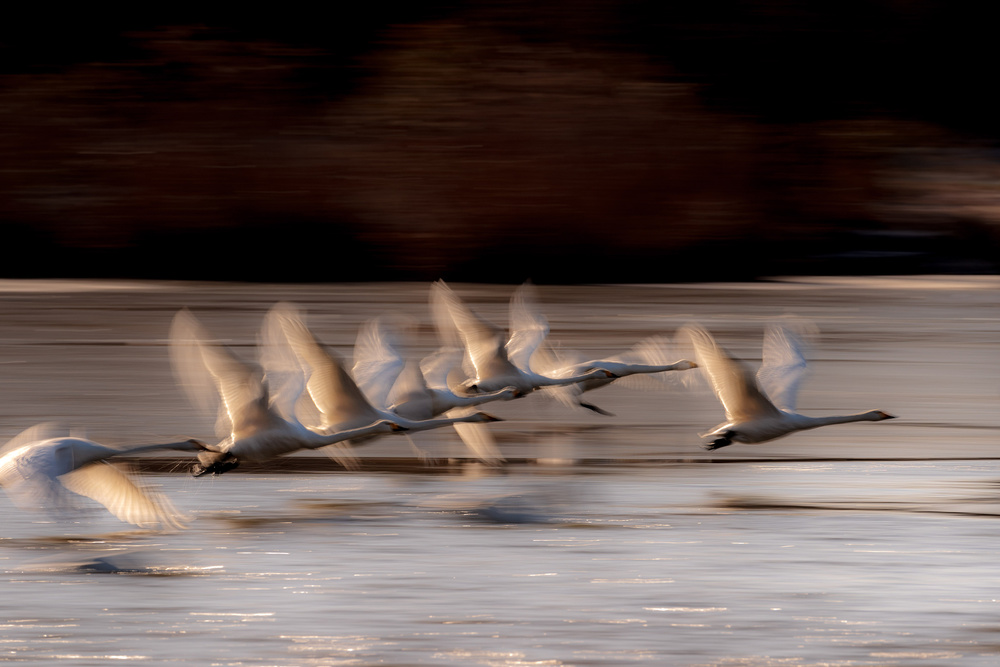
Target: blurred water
column 863, row 544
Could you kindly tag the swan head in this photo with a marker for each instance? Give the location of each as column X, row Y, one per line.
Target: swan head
column 214, row 463
column 685, row 365
column 485, row 417
column 396, row 428
column 878, row 415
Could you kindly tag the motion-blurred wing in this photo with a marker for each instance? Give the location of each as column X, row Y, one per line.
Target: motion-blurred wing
column 784, row 364
column 732, row 382
column 378, row 360
column 331, row 388
column 36, row 433
column 112, row 488
column 200, row 364
column 528, row 327
column 477, row 438
column 483, row 341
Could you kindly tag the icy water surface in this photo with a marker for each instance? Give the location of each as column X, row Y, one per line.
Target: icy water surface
column 606, row 540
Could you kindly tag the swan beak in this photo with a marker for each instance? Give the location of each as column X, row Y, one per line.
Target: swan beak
column 609, row 374
column 885, row 415
column 690, row 365
column 517, row 393
column 396, row 428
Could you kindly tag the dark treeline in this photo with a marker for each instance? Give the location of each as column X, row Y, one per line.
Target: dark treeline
column 563, row 141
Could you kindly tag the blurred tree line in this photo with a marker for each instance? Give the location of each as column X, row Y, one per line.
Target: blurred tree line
column 596, row 140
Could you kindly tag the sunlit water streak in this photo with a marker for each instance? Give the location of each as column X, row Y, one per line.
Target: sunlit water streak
column 860, row 545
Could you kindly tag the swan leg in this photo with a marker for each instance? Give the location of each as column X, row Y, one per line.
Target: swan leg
column 594, row 408
column 216, row 465
column 718, row 443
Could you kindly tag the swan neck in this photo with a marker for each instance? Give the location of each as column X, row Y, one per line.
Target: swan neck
column 844, row 419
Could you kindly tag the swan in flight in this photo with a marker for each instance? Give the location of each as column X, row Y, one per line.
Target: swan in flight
column 406, row 388
column 496, row 359
column 40, row 466
column 257, row 412
column 421, row 391
column 341, row 402
column 647, row 356
column 761, row 408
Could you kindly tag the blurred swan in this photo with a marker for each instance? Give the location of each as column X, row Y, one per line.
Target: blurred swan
column 646, row 357
column 341, row 402
column 257, row 413
column 39, row 467
column 761, row 408
column 420, row 392
column 415, row 391
column 495, row 359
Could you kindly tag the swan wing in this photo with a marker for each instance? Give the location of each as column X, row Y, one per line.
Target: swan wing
column 410, row 393
column 784, row 365
column 477, row 438
column 483, row 341
column 331, row 388
column 378, row 360
column 731, row 380
column 199, row 363
column 282, row 371
column 528, row 327
column 114, row 489
column 438, row 368
column 36, row 433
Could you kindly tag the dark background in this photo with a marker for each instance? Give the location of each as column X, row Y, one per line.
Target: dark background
column 591, row 141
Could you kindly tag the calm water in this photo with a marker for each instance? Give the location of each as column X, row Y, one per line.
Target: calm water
column 621, row 542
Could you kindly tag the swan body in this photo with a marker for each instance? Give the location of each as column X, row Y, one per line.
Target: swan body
column 340, row 401
column 38, row 470
column 496, row 360
column 257, row 424
column 762, row 407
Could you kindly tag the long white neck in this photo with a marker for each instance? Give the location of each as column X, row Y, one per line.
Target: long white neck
column 594, row 374
column 427, row 424
column 870, row 416
column 323, row 439
column 478, row 399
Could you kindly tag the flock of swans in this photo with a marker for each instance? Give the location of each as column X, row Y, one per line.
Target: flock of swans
column 387, row 393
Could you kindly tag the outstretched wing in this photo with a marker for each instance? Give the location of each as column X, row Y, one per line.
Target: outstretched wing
column 784, row 363
column 331, row 388
column 112, row 488
column 378, row 359
column 528, row 327
column 200, row 364
column 731, row 380
column 483, row 341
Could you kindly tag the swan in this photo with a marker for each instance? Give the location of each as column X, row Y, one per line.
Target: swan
column 258, row 423
column 414, row 391
column 419, row 392
column 498, row 360
column 645, row 357
column 341, row 402
column 761, row 408
column 38, row 468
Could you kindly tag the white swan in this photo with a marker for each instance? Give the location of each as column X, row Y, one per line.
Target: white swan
column 38, row 468
column 497, row 360
column 761, row 408
column 341, row 403
column 256, row 418
column 419, row 392
column 414, row 391
column 647, row 356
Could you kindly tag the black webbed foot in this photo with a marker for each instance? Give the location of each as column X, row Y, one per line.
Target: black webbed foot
column 718, row 443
